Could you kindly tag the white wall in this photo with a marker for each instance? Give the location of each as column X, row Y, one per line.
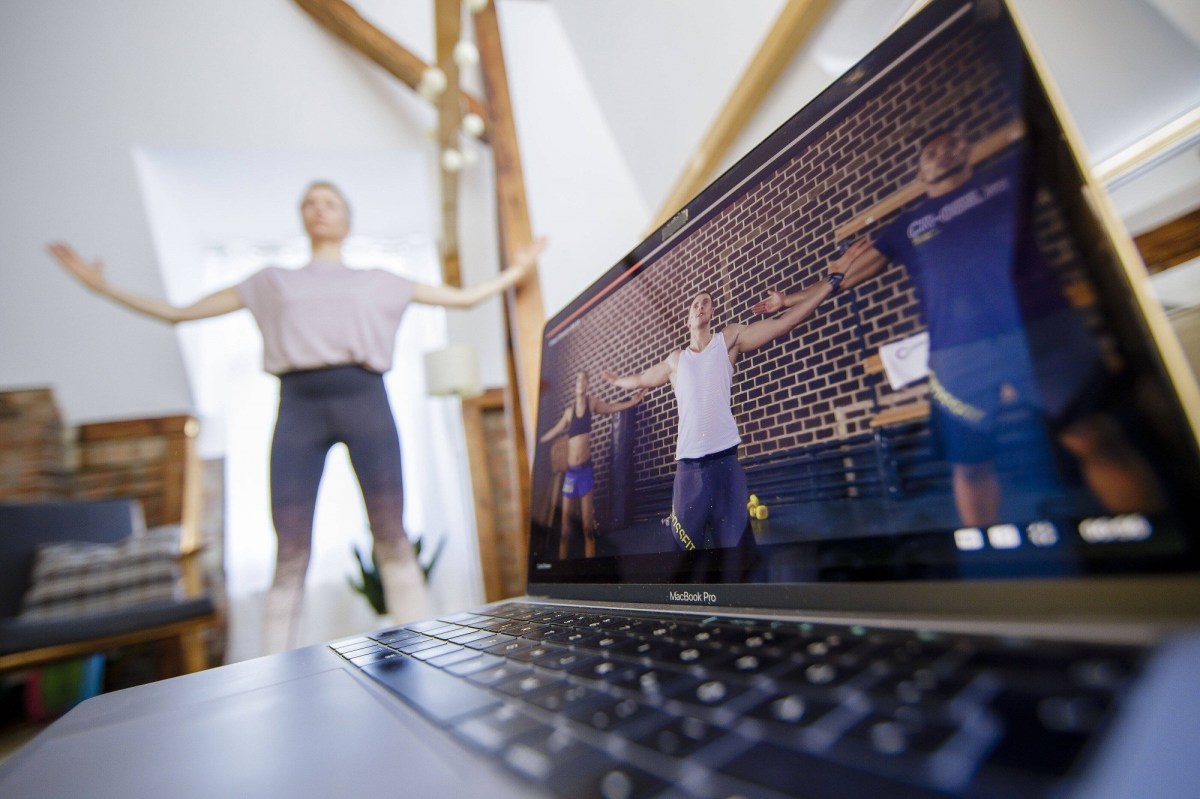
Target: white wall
column 85, row 84
column 581, row 192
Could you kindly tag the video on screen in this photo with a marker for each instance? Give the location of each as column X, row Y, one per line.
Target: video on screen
column 878, row 323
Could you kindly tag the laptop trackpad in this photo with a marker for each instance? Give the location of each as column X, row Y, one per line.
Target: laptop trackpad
column 320, row 735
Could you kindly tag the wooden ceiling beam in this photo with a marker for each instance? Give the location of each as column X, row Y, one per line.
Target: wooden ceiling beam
column 1171, row 244
column 790, row 30
column 340, row 19
column 448, row 30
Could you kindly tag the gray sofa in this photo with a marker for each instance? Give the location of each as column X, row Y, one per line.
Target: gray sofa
column 28, row 643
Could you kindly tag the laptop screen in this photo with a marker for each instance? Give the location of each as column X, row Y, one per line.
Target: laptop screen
column 893, row 343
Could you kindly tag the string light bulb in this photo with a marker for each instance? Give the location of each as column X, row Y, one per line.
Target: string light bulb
column 466, row 54
column 452, row 160
column 473, row 125
column 432, row 84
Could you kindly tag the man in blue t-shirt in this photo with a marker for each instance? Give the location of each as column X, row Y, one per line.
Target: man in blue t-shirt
column 999, row 326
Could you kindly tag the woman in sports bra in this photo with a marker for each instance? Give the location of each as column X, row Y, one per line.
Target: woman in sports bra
column 576, row 424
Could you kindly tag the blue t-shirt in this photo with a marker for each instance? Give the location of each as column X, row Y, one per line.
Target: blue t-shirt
column 971, row 254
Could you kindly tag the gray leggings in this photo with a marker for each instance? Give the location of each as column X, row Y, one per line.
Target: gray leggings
column 317, row 409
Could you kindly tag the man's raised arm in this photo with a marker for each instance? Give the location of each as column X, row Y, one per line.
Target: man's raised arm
column 600, row 406
column 657, row 375
column 859, row 263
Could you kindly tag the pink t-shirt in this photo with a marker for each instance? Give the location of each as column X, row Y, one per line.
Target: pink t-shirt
column 326, row 314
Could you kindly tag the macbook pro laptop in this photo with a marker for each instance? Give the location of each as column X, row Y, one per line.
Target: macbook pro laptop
column 873, row 472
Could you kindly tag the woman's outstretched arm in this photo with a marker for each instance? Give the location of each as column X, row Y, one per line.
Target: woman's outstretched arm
column 454, row 297
column 91, row 275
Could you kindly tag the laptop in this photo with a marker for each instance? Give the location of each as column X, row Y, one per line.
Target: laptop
column 873, row 472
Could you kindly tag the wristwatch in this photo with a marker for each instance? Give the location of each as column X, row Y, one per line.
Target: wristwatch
column 835, row 279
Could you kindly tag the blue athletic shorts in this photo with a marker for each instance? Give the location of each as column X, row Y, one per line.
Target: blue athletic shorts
column 578, row 481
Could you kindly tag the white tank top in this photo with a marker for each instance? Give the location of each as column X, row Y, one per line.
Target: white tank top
column 702, row 388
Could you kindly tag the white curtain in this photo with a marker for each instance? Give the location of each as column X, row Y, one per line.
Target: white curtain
column 237, row 403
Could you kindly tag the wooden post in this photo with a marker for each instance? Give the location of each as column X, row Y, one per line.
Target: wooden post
column 448, row 22
column 526, row 314
column 524, row 311
column 487, row 528
column 791, row 28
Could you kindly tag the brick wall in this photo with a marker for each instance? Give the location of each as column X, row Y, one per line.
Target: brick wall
column 33, row 451
column 510, row 551
column 809, row 387
column 149, row 459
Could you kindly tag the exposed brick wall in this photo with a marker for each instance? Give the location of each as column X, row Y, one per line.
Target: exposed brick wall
column 510, row 532
column 808, row 388
column 149, row 459
column 33, row 452
column 41, row 459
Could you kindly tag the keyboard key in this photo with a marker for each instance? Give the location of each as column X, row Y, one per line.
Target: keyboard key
column 567, row 660
column 904, row 733
column 469, row 636
column 744, row 662
column 418, row 645
column 529, row 685
column 654, row 683
column 612, row 780
column 791, row 711
column 706, row 693
column 605, row 712
column 538, row 652
column 459, row 655
column 445, row 631
column 429, row 653
column 511, row 647
column 821, row 673
column 398, row 637
column 353, row 646
column 557, row 698
column 440, row 696
column 1030, row 743
column 491, row 640
column 574, row 769
column 493, row 731
column 504, row 671
column 545, row 756
column 467, row 667
column 680, row 737
column 795, row 773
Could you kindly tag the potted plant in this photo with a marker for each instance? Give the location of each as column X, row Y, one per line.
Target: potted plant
column 371, row 586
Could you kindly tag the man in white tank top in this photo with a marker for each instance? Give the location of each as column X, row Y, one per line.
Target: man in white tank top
column 710, row 493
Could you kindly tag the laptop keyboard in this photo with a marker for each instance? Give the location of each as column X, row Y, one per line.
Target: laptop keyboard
column 625, row 705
